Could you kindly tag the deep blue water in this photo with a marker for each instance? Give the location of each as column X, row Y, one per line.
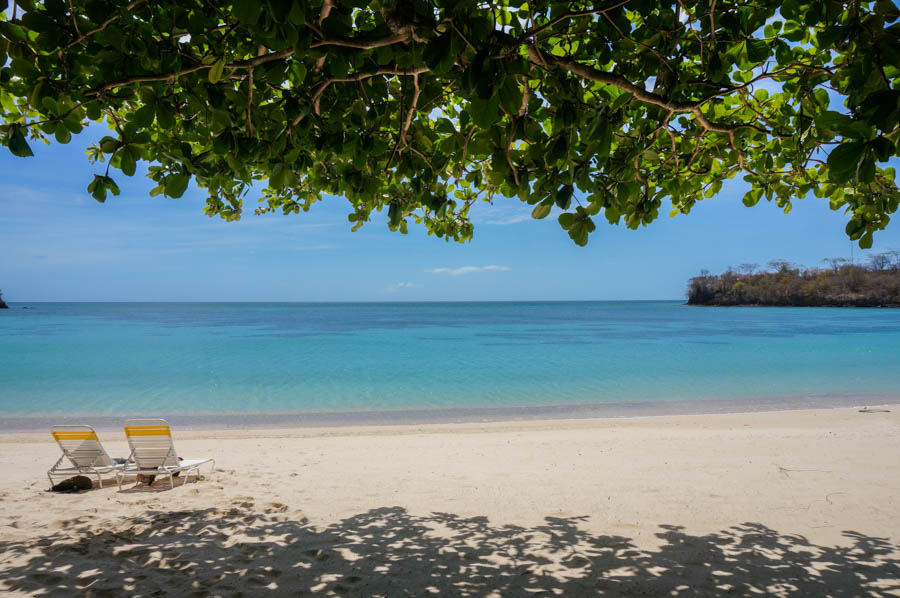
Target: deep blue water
column 131, row 358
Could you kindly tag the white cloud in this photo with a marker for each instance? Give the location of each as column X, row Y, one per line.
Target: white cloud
column 400, row 286
column 511, row 219
column 467, row 270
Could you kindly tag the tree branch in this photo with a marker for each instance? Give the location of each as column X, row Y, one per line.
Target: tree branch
column 360, row 44
column 102, row 26
column 317, row 96
column 412, row 108
column 537, row 57
column 571, row 15
column 240, row 64
column 327, row 5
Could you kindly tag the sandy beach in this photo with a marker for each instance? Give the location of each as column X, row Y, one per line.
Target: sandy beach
column 781, row 503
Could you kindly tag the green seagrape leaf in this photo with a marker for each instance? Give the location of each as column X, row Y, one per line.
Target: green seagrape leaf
column 757, row 50
column 620, row 101
column 866, row 170
column 97, row 188
column 215, row 73
column 541, row 210
column 144, row 116
column 62, row 134
column 437, row 52
column 510, row 95
column 484, row 112
column 247, row 11
column 843, row 160
column 17, row 144
column 883, row 148
column 176, row 184
column 563, row 197
column 865, row 241
column 109, row 144
column 111, row 185
column 127, row 162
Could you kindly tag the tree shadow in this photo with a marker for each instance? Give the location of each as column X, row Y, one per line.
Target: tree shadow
column 250, row 549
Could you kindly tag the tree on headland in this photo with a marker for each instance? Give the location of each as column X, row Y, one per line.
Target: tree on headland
column 3, row 305
column 422, row 108
column 842, row 285
column 836, row 262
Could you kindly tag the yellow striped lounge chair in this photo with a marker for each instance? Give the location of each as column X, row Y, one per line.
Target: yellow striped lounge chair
column 153, row 452
column 82, row 449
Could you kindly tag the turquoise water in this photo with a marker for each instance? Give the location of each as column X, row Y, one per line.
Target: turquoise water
column 117, row 359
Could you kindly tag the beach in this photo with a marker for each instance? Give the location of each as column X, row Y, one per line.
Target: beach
column 782, row 503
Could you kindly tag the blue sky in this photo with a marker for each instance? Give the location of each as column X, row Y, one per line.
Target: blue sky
column 58, row 244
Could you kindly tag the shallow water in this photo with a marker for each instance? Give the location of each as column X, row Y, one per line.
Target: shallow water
column 265, row 358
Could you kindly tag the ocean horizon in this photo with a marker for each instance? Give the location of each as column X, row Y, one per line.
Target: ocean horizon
column 265, row 363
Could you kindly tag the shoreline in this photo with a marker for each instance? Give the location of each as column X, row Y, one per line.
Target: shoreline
column 456, row 415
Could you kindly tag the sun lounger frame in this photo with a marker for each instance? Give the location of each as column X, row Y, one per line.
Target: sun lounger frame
column 152, row 436
column 99, row 464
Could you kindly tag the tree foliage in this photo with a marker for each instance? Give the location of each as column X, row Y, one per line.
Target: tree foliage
column 422, row 108
column 843, row 285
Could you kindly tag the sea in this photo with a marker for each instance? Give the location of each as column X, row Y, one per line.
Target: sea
column 269, row 364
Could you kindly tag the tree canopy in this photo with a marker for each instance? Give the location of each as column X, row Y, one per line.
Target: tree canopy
column 423, row 108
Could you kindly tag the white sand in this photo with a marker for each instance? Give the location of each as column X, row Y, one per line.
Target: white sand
column 786, row 503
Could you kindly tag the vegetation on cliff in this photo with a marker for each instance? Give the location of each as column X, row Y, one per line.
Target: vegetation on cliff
column 841, row 284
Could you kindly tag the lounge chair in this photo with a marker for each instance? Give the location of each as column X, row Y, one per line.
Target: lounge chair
column 82, row 448
column 153, row 452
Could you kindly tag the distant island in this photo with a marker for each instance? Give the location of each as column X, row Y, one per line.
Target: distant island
column 2, row 304
column 842, row 284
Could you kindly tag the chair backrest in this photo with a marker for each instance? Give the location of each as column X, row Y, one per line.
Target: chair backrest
column 80, row 445
column 151, row 443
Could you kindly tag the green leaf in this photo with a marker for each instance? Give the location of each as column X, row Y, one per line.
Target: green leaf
column 829, row 120
column 541, row 210
column 865, row 241
column 247, row 11
column 62, row 134
column 215, row 73
column 97, row 188
column 109, row 144
column 563, row 197
column 566, row 220
column 866, row 171
column 111, row 185
column 620, row 101
column 437, row 51
column 752, row 197
column 176, row 184
column 17, row 144
column 144, row 116
column 757, row 50
column 883, row 148
column 510, row 95
column 127, row 162
column 484, row 112
column 843, row 161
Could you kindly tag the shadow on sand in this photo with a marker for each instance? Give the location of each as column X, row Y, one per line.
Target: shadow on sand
column 251, row 549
